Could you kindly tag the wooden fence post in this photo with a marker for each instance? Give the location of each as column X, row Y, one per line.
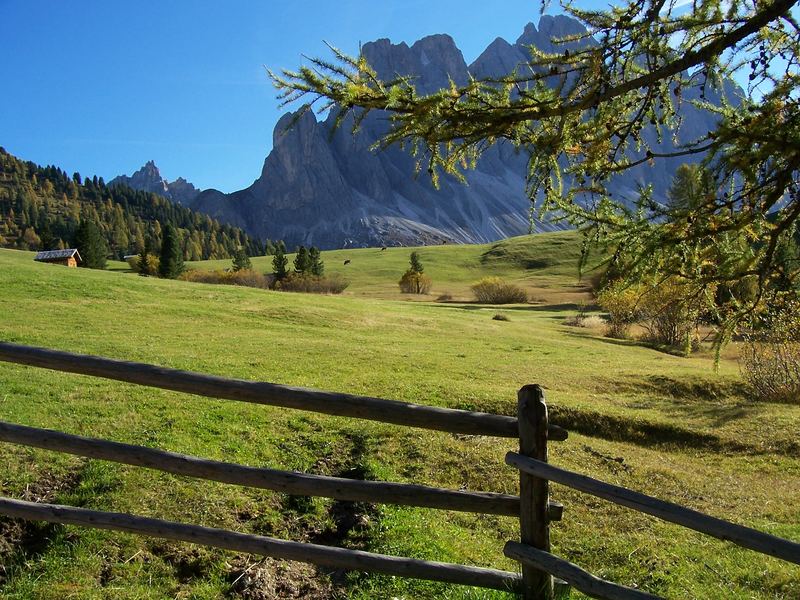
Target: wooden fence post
column 534, row 491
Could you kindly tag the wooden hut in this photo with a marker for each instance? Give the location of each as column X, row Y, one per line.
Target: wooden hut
column 69, row 257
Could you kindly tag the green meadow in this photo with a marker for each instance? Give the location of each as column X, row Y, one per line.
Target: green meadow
column 670, row 426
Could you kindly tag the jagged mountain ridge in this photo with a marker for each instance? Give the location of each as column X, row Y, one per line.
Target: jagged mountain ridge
column 329, row 189
column 149, row 179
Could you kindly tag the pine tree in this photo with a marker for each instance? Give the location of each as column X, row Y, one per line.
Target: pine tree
column 282, row 245
column 279, row 263
column 171, row 259
column 302, row 261
column 317, row 266
column 269, row 247
column 241, row 262
column 91, row 245
column 416, row 264
column 46, row 235
column 141, row 262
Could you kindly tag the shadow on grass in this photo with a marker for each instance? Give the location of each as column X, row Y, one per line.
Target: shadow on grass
column 660, row 435
column 589, row 335
column 516, row 307
column 669, row 436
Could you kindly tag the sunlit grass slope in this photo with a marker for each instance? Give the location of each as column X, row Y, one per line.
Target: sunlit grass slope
column 662, row 424
column 546, row 264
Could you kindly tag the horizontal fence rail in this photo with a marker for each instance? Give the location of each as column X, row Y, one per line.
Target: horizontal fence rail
column 674, row 513
column 331, row 403
column 270, row 479
column 572, row 574
column 326, row 556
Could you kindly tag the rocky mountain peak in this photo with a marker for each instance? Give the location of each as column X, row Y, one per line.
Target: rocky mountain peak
column 499, row 58
column 431, row 60
column 149, row 179
column 329, row 189
column 557, row 26
column 530, row 35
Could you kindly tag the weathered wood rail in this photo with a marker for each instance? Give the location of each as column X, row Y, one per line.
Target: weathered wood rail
column 533, row 507
column 257, row 392
column 761, row 542
column 327, row 556
column 287, row 482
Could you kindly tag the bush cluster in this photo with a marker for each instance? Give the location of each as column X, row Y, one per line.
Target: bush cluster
column 620, row 301
column 415, row 283
column 305, row 282
column 770, row 360
column 493, row 290
column 244, row 277
column 586, row 321
column 668, row 314
column 414, row 280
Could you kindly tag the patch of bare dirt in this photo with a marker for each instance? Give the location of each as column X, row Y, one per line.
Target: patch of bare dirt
column 270, row 579
column 28, row 537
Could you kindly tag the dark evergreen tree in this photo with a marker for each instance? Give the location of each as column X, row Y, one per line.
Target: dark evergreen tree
column 141, row 263
column 416, row 264
column 302, row 261
column 282, row 245
column 241, row 262
column 279, row 264
column 317, row 267
column 269, row 247
column 91, row 245
column 46, row 235
column 171, row 259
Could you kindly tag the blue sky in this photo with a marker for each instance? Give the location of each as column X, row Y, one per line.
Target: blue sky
column 101, row 87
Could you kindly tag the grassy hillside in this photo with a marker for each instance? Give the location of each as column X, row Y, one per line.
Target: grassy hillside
column 545, row 264
column 661, row 424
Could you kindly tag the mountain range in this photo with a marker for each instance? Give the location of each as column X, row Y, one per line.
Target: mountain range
column 149, row 179
column 327, row 187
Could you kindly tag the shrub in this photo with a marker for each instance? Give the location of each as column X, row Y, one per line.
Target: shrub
column 577, row 320
column 620, row 301
column 493, row 290
column 666, row 310
column 499, row 317
column 593, row 322
column 244, row 277
column 413, row 282
column 587, row 321
column 770, row 361
column 304, row 282
column 670, row 315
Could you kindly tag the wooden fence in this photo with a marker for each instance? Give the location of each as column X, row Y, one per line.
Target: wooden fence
column 533, row 507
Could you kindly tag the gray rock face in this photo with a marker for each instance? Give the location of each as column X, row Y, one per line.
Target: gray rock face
column 149, row 179
column 329, row 189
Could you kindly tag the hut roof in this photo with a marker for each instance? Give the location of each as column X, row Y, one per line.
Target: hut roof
column 48, row 255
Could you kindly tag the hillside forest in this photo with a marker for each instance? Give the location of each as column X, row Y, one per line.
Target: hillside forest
column 41, row 208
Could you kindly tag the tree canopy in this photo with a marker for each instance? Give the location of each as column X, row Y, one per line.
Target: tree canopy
column 592, row 110
column 91, row 245
column 41, row 208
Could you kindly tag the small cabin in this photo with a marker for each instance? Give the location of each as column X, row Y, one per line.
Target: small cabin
column 69, row 257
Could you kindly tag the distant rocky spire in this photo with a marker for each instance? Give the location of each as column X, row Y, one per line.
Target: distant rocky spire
column 149, row 179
